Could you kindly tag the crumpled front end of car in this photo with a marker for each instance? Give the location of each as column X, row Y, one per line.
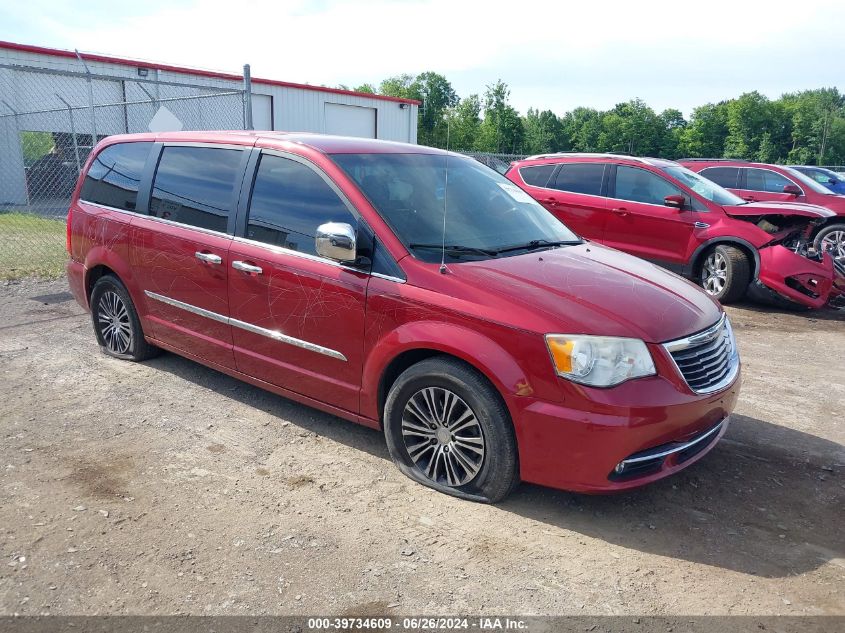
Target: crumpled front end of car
column 804, row 279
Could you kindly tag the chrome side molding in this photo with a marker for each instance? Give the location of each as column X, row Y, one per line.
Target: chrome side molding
column 248, row 327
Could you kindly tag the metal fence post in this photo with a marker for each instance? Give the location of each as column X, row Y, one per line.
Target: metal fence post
column 72, row 132
column 247, row 99
column 90, row 100
column 20, row 142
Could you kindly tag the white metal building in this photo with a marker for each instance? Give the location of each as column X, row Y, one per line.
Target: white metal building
column 43, row 81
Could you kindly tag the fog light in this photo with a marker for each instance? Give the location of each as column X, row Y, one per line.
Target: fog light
column 619, row 467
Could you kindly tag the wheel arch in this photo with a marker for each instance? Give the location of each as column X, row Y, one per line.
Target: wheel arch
column 745, row 246
column 415, row 342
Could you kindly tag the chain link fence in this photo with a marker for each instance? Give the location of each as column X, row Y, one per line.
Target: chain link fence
column 499, row 162
column 50, row 120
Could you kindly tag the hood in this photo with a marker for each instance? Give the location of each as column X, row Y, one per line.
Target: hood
column 586, row 289
column 779, row 208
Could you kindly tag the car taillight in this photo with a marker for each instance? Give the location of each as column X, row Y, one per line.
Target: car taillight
column 67, row 229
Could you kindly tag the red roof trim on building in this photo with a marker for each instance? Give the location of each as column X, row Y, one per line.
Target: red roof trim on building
column 136, row 63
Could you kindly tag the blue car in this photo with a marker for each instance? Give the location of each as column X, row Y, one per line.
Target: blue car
column 826, row 178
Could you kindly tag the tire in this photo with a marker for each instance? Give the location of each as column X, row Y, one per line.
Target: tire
column 467, row 401
column 832, row 238
column 116, row 323
column 725, row 273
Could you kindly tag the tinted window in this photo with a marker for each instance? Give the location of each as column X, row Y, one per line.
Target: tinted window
column 471, row 208
column 115, row 175
column 289, row 201
column 765, row 180
column 580, row 178
column 195, row 186
column 639, row 185
column 723, row 176
column 537, row 176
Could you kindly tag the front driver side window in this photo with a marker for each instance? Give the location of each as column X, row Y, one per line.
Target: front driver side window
column 639, row 185
column 289, row 201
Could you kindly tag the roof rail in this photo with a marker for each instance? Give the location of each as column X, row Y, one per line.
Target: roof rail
column 712, row 160
column 586, row 155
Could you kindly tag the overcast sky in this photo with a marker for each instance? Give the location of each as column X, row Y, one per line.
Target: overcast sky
column 553, row 55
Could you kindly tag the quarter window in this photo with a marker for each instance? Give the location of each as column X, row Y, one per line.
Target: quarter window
column 537, row 175
column 726, row 177
column 765, row 180
column 640, row 185
column 289, row 201
column 115, row 175
column 580, row 178
column 196, row 186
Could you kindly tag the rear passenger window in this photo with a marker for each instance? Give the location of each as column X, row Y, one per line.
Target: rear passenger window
column 538, row 175
column 726, row 177
column 765, row 180
column 580, row 178
column 289, row 201
column 195, row 186
column 115, row 174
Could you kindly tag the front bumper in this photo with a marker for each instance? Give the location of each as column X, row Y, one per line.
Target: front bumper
column 578, row 447
column 794, row 277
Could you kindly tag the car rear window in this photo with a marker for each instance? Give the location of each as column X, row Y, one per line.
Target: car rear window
column 115, row 175
column 726, row 177
column 580, row 178
column 195, row 186
column 537, row 175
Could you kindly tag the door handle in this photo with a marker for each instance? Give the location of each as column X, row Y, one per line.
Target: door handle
column 749, row 199
column 550, row 201
column 211, row 258
column 247, row 268
column 621, row 211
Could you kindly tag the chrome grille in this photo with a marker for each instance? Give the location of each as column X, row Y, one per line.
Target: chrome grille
column 708, row 360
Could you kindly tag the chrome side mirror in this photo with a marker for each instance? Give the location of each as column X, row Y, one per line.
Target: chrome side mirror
column 336, row 240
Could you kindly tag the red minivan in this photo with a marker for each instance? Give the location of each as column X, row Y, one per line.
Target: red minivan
column 407, row 289
column 661, row 211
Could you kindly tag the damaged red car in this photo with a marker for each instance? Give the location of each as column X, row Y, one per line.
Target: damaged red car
column 663, row 212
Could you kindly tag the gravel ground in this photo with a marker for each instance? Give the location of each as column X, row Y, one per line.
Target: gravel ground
column 166, row 487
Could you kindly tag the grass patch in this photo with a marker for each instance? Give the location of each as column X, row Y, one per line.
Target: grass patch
column 31, row 246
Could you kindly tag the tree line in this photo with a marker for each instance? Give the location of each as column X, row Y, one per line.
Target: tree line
column 806, row 127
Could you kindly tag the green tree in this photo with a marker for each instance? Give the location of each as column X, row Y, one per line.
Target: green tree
column 501, row 130
column 463, row 123
column 674, row 126
column 582, row 128
column 543, row 132
column 633, row 128
column 753, row 118
column 402, row 86
column 437, row 96
column 705, row 134
column 367, row 88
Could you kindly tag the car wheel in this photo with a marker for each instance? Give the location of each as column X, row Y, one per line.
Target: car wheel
column 725, row 273
column 448, row 428
column 116, row 322
column 832, row 239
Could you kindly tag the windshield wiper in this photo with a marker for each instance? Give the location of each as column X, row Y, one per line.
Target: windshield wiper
column 457, row 249
column 534, row 244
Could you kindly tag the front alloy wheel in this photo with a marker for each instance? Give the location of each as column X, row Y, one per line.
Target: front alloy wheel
column 448, row 428
column 443, row 437
column 714, row 274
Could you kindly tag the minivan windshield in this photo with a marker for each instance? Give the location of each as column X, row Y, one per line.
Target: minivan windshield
column 702, row 186
column 804, row 179
column 486, row 214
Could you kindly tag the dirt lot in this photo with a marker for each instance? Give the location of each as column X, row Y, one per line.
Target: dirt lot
column 165, row 487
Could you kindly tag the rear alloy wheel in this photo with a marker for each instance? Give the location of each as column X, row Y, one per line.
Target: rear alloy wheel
column 832, row 240
column 725, row 273
column 116, row 322
column 447, row 428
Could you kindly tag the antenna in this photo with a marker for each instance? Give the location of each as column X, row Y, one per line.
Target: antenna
column 443, row 269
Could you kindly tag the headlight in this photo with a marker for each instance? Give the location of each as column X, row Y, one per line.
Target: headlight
column 599, row 361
